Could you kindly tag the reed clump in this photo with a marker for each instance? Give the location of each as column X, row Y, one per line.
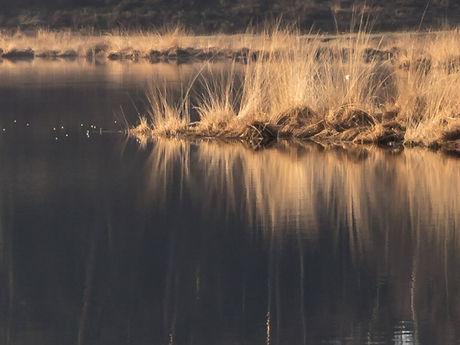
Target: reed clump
column 165, row 117
column 399, row 90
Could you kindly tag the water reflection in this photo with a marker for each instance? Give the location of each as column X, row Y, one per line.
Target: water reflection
column 306, row 185
column 212, row 242
column 391, row 215
column 102, row 242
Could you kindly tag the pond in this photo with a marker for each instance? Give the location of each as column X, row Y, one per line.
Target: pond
column 106, row 240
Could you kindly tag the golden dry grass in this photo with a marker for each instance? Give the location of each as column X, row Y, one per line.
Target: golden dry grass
column 44, row 42
column 356, row 88
column 217, row 99
column 167, row 118
column 145, row 41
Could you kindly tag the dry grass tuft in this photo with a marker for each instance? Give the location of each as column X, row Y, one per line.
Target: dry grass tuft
column 299, row 122
column 167, row 117
column 218, row 100
column 143, row 128
column 354, row 89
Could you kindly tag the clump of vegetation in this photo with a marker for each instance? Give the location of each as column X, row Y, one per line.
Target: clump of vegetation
column 167, row 118
column 358, row 87
column 168, row 44
column 355, row 89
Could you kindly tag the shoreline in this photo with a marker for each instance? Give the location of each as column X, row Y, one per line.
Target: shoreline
column 260, row 140
column 175, row 46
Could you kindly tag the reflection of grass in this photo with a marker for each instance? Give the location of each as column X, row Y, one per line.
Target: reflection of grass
column 166, row 156
column 396, row 213
column 302, row 183
column 352, row 89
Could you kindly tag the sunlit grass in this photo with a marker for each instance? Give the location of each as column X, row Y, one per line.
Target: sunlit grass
column 142, row 42
column 44, row 42
column 352, row 89
column 429, row 87
column 218, row 100
column 356, row 87
column 165, row 117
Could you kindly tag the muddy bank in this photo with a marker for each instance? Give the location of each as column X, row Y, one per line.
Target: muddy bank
column 260, row 136
column 173, row 55
column 192, row 54
column 347, row 125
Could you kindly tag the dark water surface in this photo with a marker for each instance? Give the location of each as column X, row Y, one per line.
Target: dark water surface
column 105, row 241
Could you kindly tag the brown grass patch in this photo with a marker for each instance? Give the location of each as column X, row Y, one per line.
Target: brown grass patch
column 341, row 90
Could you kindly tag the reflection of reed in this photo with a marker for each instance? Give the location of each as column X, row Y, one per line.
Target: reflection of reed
column 304, row 186
column 167, row 157
column 394, row 212
column 433, row 194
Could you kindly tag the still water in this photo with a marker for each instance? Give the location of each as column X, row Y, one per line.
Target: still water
column 107, row 241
